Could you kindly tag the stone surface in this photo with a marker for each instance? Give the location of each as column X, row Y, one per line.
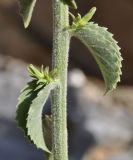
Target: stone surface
column 98, row 126
column 13, row 145
column 103, row 124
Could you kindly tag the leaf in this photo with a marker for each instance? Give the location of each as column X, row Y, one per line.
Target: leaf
column 79, row 21
column 43, row 76
column 26, row 10
column 35, row 72
column 24, row 101
column 47, row 130
column 84, row 20
column 34, row 120
column 105, row 51
column 70, row 3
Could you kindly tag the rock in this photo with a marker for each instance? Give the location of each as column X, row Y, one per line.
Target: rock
column 13, row 145
column 100, row 121
column 98, row 126
column 13, row 78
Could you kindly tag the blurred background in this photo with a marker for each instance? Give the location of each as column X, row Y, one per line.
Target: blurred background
column 100, row 127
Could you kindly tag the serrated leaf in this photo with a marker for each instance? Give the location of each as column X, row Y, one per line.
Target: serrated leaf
column 26, row 10
column 34, row 120
column 24, row 102
column 105, row 51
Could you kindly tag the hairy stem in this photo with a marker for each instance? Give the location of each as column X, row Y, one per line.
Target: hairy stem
column 61, row 41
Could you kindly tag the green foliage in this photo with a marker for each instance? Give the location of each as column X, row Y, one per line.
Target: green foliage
column 34, row 120
column 104, row 49
column 26, row 9
column 70, row 3
column 43, row 76
column 24, row 101
column 30, row 107
column 79, row 21
column 47, row 130
column 33, row 97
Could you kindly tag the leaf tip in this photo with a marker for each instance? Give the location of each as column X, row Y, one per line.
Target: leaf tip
column 74, row 5
column 93, row 9
column 26, row 24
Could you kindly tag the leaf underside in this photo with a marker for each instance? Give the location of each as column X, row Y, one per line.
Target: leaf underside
column 24, row 102
column 34, row 120
column 47, row 130
column 26, row 10
column 105, row 51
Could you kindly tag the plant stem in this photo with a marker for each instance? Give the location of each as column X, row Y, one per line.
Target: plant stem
column 61, row 42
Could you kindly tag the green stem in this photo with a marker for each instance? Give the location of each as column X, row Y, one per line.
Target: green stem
column 61, row 42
